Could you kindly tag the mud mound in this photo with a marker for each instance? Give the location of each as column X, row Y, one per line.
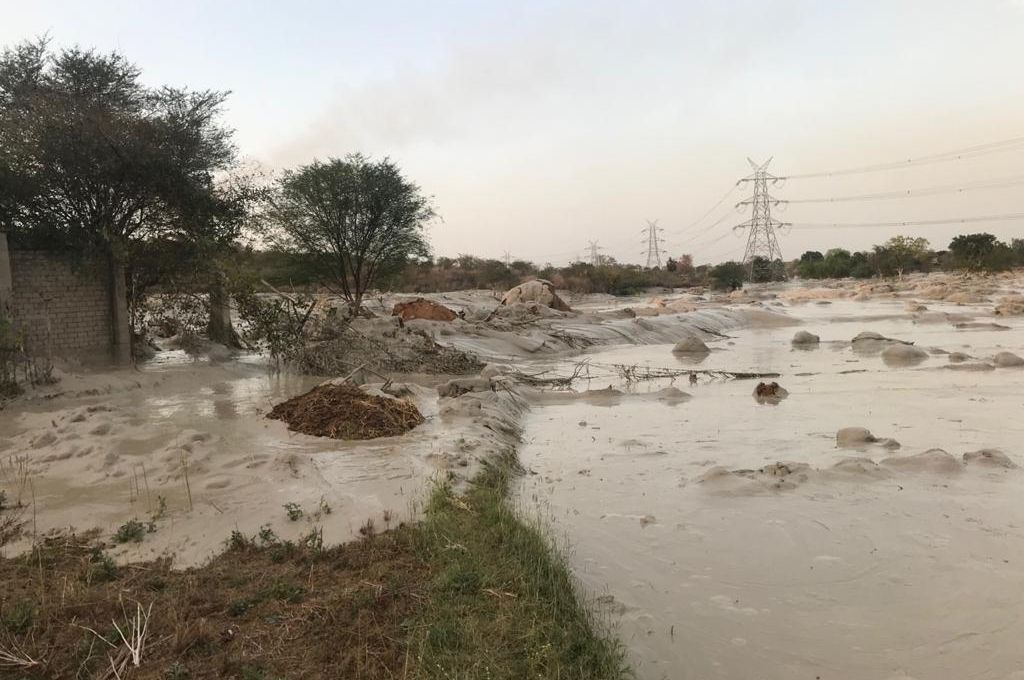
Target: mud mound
column 990, row 458
column 932, row 460
column 903, row 355
column 805, row 339
column 691, row 344
column 1007, row 360
column 539, row 291
column 422, row 308
column 860, row 437
column 346, row 412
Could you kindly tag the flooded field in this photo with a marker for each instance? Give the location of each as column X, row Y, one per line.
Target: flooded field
column 188, row 442
column 864, row 562
column 724, row 536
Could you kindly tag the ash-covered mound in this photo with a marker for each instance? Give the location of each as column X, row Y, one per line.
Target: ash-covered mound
column 343, row 411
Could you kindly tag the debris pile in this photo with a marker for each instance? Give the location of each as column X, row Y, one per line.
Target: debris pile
column 343, row 411
column 538, row 290
column 422, row 308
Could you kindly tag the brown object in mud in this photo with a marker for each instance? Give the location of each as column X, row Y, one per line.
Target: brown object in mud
column 772, row 389
column 346, row 412
column 422, row 308
column 770, row 393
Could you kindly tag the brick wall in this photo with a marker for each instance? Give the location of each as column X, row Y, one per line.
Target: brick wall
column 62, row 306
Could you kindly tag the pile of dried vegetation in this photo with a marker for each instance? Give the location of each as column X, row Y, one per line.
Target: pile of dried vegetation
column 397, row 350
column 344, row 411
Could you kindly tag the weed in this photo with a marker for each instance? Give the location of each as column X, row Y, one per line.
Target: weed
column 367, row 529
column 323, row 508
column 288, row 592
column 294, row 511
column 132, row 531
column 267, row 535
column 161, row 509
column 239, row 541
column 17, row 618
column 102, row 567
column 314, row 540
column 177, row 671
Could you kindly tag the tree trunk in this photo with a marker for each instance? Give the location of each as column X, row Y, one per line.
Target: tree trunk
column 220, row 329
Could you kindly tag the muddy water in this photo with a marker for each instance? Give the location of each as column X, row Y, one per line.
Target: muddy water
column 195, row 435
column 860, row 571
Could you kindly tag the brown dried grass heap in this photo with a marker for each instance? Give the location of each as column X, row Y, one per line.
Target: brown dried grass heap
column 344, row 411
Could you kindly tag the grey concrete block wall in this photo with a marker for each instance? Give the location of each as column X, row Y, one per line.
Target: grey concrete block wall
column 61, row 306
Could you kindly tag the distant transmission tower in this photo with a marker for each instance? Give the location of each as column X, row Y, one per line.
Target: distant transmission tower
column 595, row 256
column 508, row 259
column 762, row 246
column 654, row 242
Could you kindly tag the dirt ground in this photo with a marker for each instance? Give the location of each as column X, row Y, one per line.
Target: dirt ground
column 263, row 609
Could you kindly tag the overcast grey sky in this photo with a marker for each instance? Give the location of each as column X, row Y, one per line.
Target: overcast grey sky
column 540, row 125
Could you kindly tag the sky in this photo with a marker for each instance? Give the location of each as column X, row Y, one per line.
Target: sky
column 538, row 127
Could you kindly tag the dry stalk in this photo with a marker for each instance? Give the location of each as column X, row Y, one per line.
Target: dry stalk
column 16, row 657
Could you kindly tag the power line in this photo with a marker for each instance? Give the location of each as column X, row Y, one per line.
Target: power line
column 912, row 193
column 955, row 155
column 1008, row 217
column 709, row 211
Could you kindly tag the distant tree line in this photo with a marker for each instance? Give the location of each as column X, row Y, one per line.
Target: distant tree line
column 900, row 255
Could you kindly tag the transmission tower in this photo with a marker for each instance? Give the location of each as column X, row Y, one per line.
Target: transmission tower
column 508, row 259
column 654, row 242
column 762, row 246
column 595, row 256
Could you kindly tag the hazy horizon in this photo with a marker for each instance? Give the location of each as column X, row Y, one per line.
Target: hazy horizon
column 538, row 127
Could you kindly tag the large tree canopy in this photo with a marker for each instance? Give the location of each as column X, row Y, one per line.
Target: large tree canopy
column 90, row 157
column 356, row 219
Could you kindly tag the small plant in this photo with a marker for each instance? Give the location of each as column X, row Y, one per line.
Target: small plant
column 101, row 567
column 367, row 529
column 161, row 510
column 238, row 541
column 289, row 592
column 133, row 531
column 17, row 618
column 387, row 519
column 323, row 508
column 3, row 499
column 294, row 511
column 267, row 535
column 314, row 540
column 177, row 671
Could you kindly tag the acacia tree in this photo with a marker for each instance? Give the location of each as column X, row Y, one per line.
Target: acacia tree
column 93, row 160
column 900, row 253
column 99, row 159
column 353, row 218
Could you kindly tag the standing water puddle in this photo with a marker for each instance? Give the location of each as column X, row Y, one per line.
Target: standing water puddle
column 853, row 572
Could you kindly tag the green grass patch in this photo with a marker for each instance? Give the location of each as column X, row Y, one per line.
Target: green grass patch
column 503, row 603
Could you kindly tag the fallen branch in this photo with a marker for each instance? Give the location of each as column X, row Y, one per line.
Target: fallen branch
column 581, row 371
column 637, row 373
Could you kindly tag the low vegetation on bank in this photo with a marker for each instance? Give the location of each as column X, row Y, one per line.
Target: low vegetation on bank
column 470, row 591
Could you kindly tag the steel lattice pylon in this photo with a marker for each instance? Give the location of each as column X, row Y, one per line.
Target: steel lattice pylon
column 762, row 250
column 654, row 242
